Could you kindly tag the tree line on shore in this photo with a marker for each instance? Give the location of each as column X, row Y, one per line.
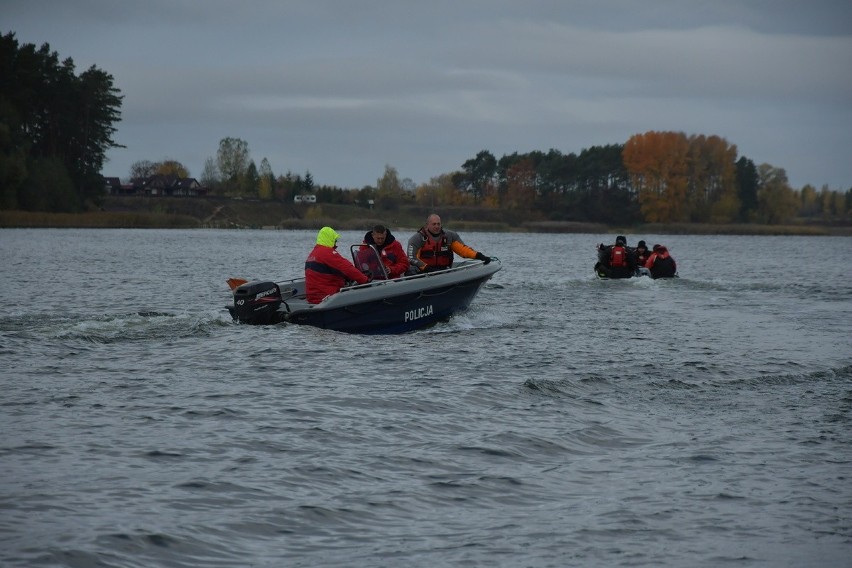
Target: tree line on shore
column 655, row 177
column 56, row 127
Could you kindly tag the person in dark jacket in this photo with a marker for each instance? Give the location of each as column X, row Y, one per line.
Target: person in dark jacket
column 640, row 257
column 660, row 264
column 326, row 271
column 642, row 253
column 389, row 250
column 432, row 248
column 615, row 261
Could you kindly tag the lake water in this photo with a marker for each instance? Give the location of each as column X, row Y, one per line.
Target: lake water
column 562, row 421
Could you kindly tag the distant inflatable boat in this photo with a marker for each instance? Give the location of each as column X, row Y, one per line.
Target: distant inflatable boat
column 603, row 274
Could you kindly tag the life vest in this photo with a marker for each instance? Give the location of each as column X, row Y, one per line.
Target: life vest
column 436, row 254
column 662, row 265
column 618, row 257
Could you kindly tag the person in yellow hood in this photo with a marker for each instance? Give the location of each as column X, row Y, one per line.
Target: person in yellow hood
column 326, row 271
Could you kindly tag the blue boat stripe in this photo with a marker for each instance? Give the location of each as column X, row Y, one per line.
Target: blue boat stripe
column 323, row 268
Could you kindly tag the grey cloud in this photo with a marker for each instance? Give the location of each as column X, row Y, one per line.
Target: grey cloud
column 342, row 88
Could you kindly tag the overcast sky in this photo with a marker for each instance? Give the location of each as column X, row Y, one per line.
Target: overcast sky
column 342, row 88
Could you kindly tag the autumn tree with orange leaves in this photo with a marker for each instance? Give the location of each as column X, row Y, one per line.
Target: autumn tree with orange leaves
column 712, row 188
column 520, row 185
column 679, row 178
column 657, row 165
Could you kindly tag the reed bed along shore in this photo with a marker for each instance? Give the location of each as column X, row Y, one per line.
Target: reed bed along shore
column 194, row 213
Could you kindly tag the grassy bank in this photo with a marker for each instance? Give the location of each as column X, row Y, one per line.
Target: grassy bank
column 221, row 213
column 95, row 220
column 691, row 229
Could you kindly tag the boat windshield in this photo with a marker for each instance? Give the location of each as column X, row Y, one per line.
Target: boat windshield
column 366, row 258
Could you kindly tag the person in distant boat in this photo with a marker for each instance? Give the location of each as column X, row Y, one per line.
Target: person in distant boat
column 326, row 271
column 432, row 248
column 640, row 257
column 660, row 264
column 389, row 249
column 615, row 261
column 642, row 253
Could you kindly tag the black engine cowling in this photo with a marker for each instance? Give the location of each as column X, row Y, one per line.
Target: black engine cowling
column 257, row 303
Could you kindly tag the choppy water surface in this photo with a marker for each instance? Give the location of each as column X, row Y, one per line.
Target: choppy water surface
column 562, row 421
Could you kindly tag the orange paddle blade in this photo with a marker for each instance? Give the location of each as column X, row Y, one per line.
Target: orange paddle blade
column 235, row 282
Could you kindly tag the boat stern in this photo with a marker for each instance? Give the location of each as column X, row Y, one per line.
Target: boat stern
column 256, row 303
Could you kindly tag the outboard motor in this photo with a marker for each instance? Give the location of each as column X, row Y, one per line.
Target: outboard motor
column 257, row 303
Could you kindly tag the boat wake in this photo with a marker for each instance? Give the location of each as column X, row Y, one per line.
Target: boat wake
column 113, row 328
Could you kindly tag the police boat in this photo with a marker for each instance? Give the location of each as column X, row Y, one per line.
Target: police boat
column 382, row 306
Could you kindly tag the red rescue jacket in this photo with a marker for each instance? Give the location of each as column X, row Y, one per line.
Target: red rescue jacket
column 661, row 264
column 618, row 257
column 326, row 271
column 393, row 257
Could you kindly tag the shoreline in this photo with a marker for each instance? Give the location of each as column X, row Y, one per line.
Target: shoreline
column 223, row 213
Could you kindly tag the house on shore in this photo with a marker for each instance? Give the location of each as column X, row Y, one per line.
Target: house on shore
column 156, row 185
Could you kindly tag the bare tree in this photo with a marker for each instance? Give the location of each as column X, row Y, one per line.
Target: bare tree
column 143, row 169
column 210, row 173
column 232, row 158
